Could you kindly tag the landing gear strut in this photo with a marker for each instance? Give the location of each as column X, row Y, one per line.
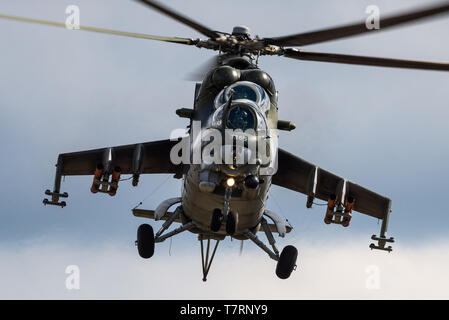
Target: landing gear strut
column 146, row 239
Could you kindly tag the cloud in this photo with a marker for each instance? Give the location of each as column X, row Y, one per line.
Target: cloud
column 346, row 270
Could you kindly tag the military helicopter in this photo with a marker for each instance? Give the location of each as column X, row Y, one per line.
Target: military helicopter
column 228, row 198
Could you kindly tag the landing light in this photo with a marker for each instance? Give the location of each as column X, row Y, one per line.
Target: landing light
column 230, row 182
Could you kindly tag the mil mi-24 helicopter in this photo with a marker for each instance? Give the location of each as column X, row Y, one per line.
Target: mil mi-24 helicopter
column 236, row 103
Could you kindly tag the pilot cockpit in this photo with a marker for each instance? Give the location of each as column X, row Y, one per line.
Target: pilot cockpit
column 241, row 117
column 250, row 104
column 244, row 90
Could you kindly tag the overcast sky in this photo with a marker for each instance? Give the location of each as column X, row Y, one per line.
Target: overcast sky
column 63, row 91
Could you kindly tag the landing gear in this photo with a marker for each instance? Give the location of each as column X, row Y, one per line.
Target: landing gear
column 287, row 262
column 146, row 238
column 145, row 241
column 216, row 220
column 230, row 218
column 232, row 222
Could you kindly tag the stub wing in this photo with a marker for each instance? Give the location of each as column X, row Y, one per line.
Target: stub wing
column 107, row 164
column 154, row 158
column 343, row 196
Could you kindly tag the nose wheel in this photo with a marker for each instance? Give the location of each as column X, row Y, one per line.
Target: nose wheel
column 232, row 222
column 230, row 218
column 216, row 220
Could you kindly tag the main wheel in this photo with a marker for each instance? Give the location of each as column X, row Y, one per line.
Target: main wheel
column 145, row 241
column 287, row 262
column 232, row 222
column 215, row 220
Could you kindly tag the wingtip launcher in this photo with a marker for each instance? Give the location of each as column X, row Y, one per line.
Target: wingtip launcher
column 56, row 194
column 382, row 240
column 55, row 198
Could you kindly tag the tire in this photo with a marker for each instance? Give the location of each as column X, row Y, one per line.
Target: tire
column 231, row 223
column 145, row 241
column 215, row 220
column 287, row 262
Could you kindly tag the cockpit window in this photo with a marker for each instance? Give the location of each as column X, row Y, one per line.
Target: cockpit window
column 244, row 92
column 241, row 117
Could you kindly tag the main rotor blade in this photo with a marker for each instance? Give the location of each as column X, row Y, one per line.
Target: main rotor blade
column 181, row 18
column 101, row 30
column 364, row 61
column 349, row 30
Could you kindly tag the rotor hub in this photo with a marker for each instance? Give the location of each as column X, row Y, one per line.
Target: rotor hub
column 241, row 31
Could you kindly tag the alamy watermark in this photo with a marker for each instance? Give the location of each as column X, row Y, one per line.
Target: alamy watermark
column 233, row 147
column 372, row 22
column 372, row 281
column 72, row 282
column 72, row 21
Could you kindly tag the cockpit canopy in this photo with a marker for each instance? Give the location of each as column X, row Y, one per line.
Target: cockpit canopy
column 241, row 117
column 244, row 90
column 248, row 109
